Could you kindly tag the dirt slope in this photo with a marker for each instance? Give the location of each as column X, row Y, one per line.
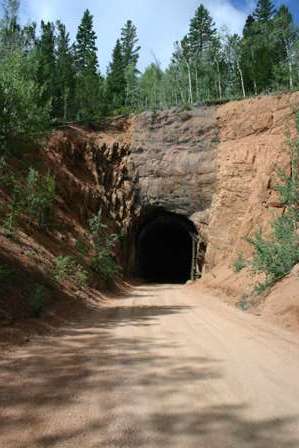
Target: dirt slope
column 160, row 367
column 253, row 147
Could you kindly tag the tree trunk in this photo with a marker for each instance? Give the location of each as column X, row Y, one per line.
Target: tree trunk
column 196, row 84
column 290, row 66
column 242, row 80
column 219, row 80
column 255, row 87
column 190, row 83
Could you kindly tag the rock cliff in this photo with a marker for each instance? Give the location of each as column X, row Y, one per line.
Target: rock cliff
column 173, row 155
column 253, row 146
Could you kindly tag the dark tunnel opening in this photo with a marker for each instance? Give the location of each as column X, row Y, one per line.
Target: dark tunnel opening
column 165, row 249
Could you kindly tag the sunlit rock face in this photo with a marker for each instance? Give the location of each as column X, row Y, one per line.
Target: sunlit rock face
column 253, row 147
column 173, row 157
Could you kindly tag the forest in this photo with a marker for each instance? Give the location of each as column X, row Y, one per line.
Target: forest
column 46, row 79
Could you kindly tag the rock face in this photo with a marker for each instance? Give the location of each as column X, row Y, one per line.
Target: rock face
column 173, row 157
column 253, row 146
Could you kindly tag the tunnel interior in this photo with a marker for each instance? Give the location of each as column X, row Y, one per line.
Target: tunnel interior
column 165, row 248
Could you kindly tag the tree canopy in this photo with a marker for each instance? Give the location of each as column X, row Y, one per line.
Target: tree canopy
column 45, row 78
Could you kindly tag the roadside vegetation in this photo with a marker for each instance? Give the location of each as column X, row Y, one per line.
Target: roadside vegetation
column 46, row 79
column 276, row 256
column 34, row 198
column 103, row 261
column 29, row 204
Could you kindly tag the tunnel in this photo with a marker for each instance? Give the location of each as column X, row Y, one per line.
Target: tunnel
column 165, row 248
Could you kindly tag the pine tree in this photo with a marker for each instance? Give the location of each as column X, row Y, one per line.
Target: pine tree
column 116, row 82
column 201, row 41
column 129, row 48
column 259, row 46
column 65, row 74
column 132, row 87
column 264, row 11
column 249, row 54
column 88, row 80
column 46, row 72
column 202, row 30
column 85, row 47
column 247, row 30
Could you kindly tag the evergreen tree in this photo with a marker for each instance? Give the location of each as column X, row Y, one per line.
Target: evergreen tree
column 264, row 11
column 46, row 71
column 85, row 47
column 65, row 74
column 130, row 56
column 249, row 55
column 202, row 31
column 132, row 86
column 88, row 80
column 202, row 44
column 129, row 44
column 116, row 82
column 259, row 46
column 247, row 30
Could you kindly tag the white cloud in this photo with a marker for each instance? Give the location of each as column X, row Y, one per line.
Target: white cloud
column 225, row 14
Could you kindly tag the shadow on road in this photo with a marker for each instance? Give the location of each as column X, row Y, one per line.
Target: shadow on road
column 88, row 364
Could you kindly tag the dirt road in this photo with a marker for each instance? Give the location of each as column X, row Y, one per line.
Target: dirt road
column 163, row 367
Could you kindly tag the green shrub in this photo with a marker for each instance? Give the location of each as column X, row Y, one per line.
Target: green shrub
column 15, row 209
column 104, row 262
column 263, row 286
column 64, row 267
column 240, row 263
column 35, row 198
column 81, row 276
column 37, row 300
column 40, row 197
column 275, row 257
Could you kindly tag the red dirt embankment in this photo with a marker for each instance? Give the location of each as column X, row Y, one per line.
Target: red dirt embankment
column 253, row 145
column 88, row 175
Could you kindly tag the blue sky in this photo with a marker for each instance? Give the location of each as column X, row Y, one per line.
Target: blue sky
column 160, row 22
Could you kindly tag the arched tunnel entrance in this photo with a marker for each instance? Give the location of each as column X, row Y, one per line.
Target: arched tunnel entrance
column 166, row 248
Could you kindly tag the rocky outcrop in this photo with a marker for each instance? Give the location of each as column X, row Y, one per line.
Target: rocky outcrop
column 173, row 157
column 253, row 146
